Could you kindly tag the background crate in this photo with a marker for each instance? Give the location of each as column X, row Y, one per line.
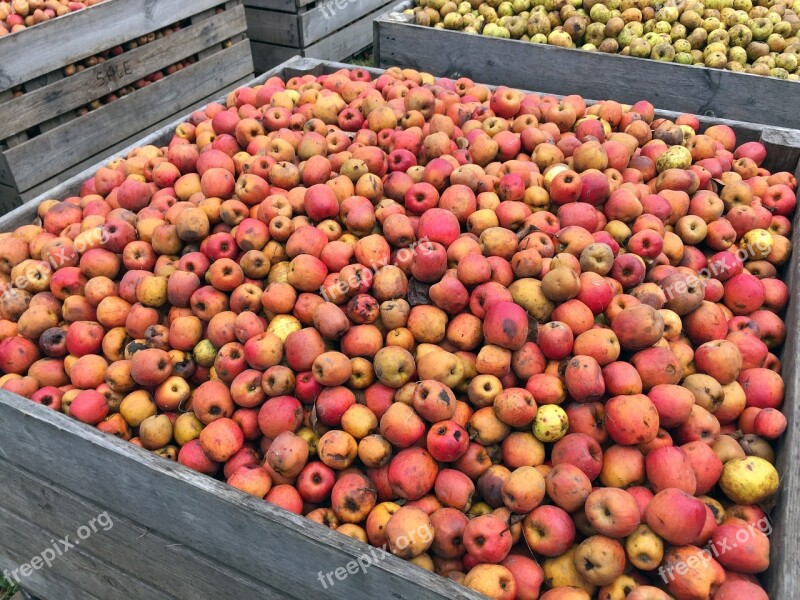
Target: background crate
column 44, row 139
column 326, row 29
column 555, row 70
column 181, row 535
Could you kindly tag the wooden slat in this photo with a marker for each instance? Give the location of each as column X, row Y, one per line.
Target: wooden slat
column 273, row 27
column 86, row 136
column 550, row 69
column 163, row 563
column 55, row 99
column 76, row 568
column 56, row 43
column 280, row 549
column 348, row 41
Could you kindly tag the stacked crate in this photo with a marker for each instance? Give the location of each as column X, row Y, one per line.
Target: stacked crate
column 326, row 29
column 47, row 133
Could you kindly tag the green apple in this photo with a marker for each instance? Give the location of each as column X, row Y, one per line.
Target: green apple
column 600, row 13
column 683, row 58
column 640, row 48
column 786, row 61
column 682, row 46
column 740, row 35
column 737, row 54
column 664, row 52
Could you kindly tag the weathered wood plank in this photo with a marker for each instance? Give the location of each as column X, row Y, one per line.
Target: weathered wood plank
column 73, row 92
column 346, row 42
column 273, row 27
column 207, row 515
column 87, row 32
column 328, row 17
column 165, row 564
column 76, row 568
column 552, row 70
column 86, row 136
column 39, row 583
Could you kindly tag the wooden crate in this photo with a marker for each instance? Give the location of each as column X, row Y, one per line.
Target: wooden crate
column 327, row 29
column 555, row 70
column 180, row 535
column 45, row 140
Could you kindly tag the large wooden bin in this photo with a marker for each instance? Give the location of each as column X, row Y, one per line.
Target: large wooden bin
column 178, row 534
column 555, row 70
column 44, row 136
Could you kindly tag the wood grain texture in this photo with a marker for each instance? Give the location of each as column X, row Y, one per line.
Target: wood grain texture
column 273, row 27
column 84, row 137
column 76, row 569
column 69, row 93
column 163, row 563
column 276, row 548
column 554, row 70
column 87, row 32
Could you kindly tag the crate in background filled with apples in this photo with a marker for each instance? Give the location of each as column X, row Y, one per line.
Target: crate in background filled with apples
column 79, row 84
column 537, row 356
column 743, row 67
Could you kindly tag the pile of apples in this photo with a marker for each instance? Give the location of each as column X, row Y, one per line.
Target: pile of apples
column 17, row 15
column 738, row 35
column 525, row 343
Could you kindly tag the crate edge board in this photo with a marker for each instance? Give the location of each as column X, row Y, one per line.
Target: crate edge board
column 409, row 44
column 47, row 146
column 53, row 100
column 166, row 562
column 97, row 159
column 145, row 481
column 87, row 32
